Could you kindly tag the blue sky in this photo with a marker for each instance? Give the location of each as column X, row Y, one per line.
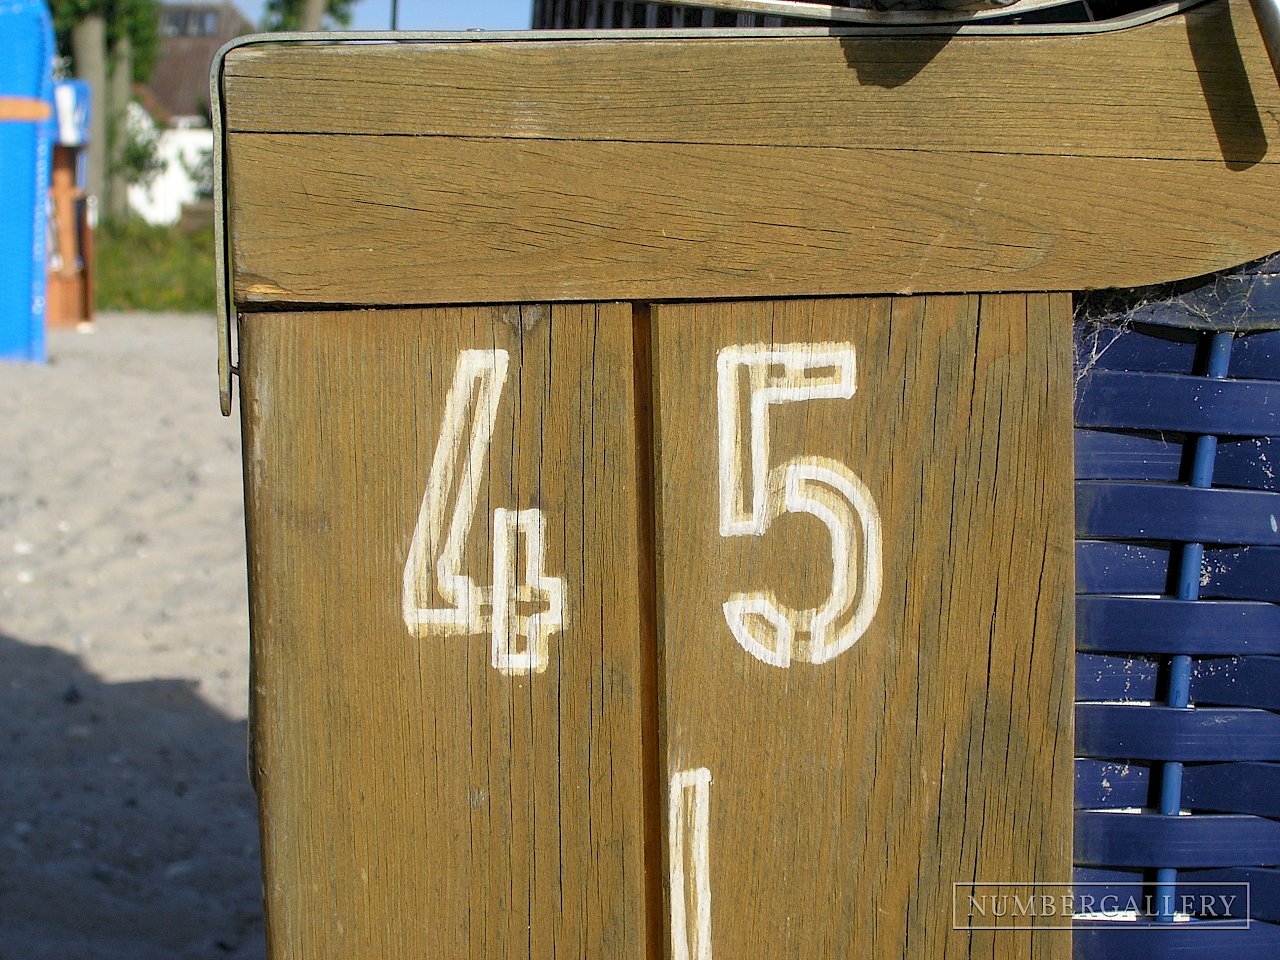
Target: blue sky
column 428, row 14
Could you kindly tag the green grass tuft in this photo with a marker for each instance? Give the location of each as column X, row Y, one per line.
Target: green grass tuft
column 144, row 267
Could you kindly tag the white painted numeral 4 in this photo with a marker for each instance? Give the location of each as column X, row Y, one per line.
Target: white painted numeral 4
column 753, row 495
column 440, row 537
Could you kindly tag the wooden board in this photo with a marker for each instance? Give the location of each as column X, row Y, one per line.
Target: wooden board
column 1085, row 95
column 69, row 293
column 703, row 168
column 422, row 795
column 923, row 738
column 417, row 800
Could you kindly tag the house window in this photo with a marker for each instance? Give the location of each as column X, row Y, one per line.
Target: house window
column 173, row 23
column 189, row 23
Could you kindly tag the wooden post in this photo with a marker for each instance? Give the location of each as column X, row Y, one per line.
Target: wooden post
column 658, row 469
column 119, row 96
column 868, row 742
column 89, row 55
column 70, row 288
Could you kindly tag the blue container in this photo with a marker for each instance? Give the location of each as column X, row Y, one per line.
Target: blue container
column 26, row 71
column 1178, row 617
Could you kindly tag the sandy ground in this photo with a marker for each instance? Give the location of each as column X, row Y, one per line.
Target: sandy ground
column 127, row 825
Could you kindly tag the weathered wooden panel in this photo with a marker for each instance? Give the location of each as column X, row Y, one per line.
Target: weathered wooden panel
column 843, row 747
column 385, row 220
column 433, row 785
column 1176, row 89
column 690, row 168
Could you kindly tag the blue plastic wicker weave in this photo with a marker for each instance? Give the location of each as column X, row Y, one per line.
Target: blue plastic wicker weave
column 1178, row 618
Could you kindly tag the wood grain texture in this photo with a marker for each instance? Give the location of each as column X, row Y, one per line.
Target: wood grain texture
column 445, row 220
column 846, row 797
column 415, row 801
column 1133, row 93
column 688, row 168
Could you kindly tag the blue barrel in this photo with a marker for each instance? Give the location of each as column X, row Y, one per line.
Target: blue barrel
column 26, row 75
column 1178, row 617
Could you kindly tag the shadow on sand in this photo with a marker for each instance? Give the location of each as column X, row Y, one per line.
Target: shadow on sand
column 127, row 825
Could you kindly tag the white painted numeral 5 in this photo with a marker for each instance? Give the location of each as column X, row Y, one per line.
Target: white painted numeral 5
column 753, row 495
column 440, row 536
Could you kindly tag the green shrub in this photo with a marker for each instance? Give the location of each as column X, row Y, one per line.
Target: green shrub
column 143, row 267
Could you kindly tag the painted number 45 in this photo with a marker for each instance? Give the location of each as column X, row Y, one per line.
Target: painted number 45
column 751, row 381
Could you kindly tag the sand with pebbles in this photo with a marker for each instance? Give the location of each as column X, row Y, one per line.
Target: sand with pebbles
column 127, row 824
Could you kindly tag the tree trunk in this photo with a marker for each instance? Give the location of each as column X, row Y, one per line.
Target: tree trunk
column 312, row 14
column 89, row 51
column 121, row 94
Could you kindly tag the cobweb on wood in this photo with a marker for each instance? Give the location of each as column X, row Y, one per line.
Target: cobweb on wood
column 1239, row 300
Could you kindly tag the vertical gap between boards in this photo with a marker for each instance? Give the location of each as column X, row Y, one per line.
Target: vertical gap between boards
column 653, row 685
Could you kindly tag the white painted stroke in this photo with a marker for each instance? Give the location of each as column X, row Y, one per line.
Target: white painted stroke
column 810, row 371
column 535, row 588
column 777, row 634
column 689, row 839
column 753, row 495
column 440, row 535
column 473, row 399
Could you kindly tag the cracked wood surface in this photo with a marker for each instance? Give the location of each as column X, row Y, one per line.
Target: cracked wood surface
column 416, row 802
column 703, row 168
column 848, row 797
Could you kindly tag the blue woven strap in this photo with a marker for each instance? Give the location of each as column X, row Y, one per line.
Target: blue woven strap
column 1264, row 884
column 1141, row 732
column 1255, row 356
column 1145, row 511
column 1238, row 787
column 1250, row 464
column 1111, row 784
column 1233, row 788
column 1215, row 681
column 1238, row 682
column 1263, row 881
column 1152, row 840
column 1160, row 626
column 1178, row 577
column 1105, row 567
column 1163, row 401
column 1117, row 677
column 1105, row 940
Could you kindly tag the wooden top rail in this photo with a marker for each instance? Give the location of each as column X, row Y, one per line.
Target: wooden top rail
column 542, row 170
